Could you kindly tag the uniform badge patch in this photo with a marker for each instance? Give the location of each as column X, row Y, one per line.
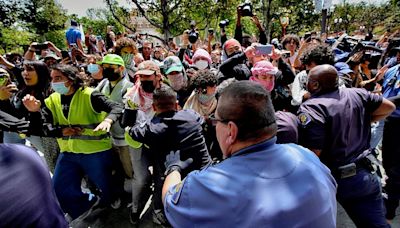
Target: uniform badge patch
column 397, row 85
column 177, row 191
column 304, row 119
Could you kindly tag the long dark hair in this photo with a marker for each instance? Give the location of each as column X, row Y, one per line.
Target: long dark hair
column 42, row 88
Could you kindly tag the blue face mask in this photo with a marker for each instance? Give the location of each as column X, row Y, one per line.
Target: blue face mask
column 93, row 68
column 60, row 87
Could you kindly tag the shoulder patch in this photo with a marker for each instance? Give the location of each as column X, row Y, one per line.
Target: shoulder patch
column 177, row 191
column 397, row 85
column 304, row 119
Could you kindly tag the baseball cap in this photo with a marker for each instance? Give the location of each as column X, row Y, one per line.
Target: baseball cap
column 148, row 68
column 172, row 63
column 112, row 59
column 51, row 55
column 343, row 68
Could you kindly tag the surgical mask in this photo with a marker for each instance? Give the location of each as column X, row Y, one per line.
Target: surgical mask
column 93, row 68
column 176, row 81
column 128, row 59
column 147, row 86
column 110, row 74
column 205, row 98
column 60, row 87
column 201, row 64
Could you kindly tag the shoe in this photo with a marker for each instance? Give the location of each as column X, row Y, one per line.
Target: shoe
column 134, row 217
column 116, row 204
column 89, row 212
column 159, row 218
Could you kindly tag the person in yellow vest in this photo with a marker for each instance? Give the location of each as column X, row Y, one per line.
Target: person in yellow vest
column 80, row 118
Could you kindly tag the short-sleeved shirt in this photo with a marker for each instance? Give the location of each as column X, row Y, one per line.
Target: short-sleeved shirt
column 72, row 35
column 391, row 86
column 338, row 123
column 263, row 185
column 287, row 127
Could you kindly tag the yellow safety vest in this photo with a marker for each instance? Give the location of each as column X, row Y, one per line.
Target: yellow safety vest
column 81, row 114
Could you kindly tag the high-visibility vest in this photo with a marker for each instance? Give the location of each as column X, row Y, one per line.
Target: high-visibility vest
column 81, row 114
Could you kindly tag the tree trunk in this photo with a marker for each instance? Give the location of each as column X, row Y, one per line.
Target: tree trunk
column 267, row 22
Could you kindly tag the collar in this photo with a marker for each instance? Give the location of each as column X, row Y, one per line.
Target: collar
column 167, row 114
column 256, row 147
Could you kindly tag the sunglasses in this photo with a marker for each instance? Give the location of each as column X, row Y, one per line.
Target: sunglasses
column 214, row 121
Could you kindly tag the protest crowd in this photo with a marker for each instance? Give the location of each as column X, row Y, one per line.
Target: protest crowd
column 236, row 132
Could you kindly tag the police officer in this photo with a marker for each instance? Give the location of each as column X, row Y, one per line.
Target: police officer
column 335, row 124
column 390, row 145
column 260, row 184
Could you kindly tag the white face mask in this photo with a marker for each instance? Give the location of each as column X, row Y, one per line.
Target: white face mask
column 201, row 64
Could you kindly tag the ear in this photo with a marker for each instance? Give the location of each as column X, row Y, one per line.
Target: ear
column 233, row 132
column 121, row 68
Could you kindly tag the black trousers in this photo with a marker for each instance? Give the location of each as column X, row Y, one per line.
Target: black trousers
column 391, row 163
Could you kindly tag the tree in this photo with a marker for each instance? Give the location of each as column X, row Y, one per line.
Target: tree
column 31, row 20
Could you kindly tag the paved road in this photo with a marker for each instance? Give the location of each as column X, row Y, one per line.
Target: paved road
column 110, row 218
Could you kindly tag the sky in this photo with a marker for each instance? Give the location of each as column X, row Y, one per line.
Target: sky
column 79, row 7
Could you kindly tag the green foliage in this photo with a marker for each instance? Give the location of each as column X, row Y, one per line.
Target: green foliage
column 14, row 40
column 24, row 21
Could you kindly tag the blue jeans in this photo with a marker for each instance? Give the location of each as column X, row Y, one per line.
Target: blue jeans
column 361, row 197
column 376, row 133
column 71, row 168
column 141, row 180
column 12, row 137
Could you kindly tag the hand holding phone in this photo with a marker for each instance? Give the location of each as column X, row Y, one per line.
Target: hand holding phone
column 263, row 49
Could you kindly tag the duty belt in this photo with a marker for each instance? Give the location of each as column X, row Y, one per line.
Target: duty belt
column 351, row 169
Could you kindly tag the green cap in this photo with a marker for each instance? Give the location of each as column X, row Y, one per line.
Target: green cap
column 112, row 59
column 172, row 63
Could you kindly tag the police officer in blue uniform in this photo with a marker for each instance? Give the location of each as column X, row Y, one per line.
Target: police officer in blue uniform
column 335, row 124
column 390, row 145
column 260, row 183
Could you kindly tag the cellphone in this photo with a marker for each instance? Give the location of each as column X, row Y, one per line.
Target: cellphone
column 211, row 31
column 307, row 36
column 99, row 38
column 263, row 49
column 65, row 54
column 42, row 46
column 73, row 45
column 3, row 79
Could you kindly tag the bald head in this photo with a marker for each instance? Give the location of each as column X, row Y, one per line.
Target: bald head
column 322, row 78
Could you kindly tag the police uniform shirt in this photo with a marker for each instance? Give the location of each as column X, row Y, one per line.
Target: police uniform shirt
column 338, row 123
column 391, row 86
column 27, row 198
column 264, row 185
column 287, row 127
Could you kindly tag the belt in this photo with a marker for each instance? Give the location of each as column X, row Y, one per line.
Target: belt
column 352, row 169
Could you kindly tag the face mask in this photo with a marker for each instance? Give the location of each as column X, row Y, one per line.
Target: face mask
column 234, row 53
column 268, row 85
column 93, row 68
column 205, row 98
column 60, row 87
column 110, row 74
column 201, row 64
column 128, row 59
column 147, row 86
column 176, row 81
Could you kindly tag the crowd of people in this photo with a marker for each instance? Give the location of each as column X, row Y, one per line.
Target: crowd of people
column 235, row 132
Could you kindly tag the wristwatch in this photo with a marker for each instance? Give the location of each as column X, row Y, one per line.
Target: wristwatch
column 172, row 169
